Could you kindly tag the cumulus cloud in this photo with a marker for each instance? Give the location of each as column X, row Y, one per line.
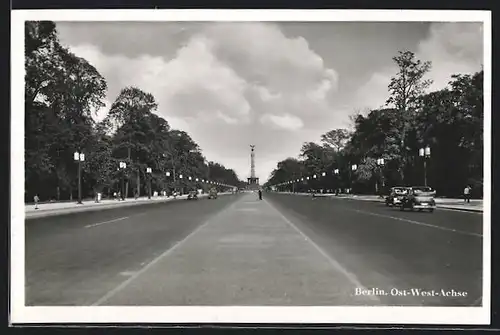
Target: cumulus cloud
column 216, row 80
column 234, row 84
column 270, row 58
column 285, row 121
column 452, row 48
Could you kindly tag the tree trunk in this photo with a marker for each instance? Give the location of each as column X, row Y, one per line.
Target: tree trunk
column 139, row 182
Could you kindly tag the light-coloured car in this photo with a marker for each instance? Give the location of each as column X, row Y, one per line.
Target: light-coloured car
column 419, row 197
column 192, row 195
column 212, row 194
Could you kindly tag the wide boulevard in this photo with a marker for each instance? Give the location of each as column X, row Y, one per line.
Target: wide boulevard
column 237, row 250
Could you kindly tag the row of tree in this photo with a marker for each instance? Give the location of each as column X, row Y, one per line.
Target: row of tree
column 62, row 93
column 448, row 121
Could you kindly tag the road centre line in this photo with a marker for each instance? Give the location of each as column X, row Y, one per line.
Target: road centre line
column 114, row 220
column 350, row 276
column 417, row 223
column 124, row 284
column 101, row 223
column 117, row 219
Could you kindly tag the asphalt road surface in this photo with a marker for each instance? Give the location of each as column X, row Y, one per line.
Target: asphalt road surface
column 237, row 250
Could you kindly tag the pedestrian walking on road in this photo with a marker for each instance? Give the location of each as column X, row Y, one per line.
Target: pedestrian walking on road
column 36, row 199
column 467, row 191
column 260, row 194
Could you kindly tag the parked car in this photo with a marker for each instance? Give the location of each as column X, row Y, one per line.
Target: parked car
column 419, row 197
column 395, row 196
column 212, row 194
column 192, row 195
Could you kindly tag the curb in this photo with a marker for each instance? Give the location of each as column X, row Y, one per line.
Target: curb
column 438, row 206
column 71, row 210
column 470, row 210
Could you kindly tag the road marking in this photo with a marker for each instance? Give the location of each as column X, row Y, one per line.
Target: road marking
column 417, row 223
column 124, row 284
column 463, row 210
column 101, row 223
column 350, row 276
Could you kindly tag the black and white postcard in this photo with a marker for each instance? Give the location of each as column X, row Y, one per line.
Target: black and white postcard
column 251, row 166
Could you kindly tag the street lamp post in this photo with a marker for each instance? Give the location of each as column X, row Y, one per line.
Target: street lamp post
column 181, row 177
column 336, row 172
column 354, row 167
column 168, row 176
column 315, row 185
column 173, row 159
column 324, row 182
column 148, row 172
column 208, row 169
column 80, row 157
column 381, row 163
column 123, row 166
column 425, row 153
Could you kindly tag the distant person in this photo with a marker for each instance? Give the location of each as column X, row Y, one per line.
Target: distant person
column 260, row 194
column 36, row 199
column 136, row 194
column 467, row 191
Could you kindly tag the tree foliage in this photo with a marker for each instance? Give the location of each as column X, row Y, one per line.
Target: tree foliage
column 449, row 121
column 62, row 94
column 335, row 139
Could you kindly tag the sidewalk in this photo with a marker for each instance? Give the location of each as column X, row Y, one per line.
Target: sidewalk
column 248, row 254
column 475, row 205
column 58, row 208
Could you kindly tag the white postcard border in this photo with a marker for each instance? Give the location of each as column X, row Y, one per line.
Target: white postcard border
column 237, row 314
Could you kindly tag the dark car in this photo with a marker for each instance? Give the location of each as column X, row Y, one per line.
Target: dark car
column 419, row 197
column 212, row 194
column 192, row 195
column 395, row 196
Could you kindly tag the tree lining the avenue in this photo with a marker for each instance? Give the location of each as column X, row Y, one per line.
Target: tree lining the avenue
column 387, row 147
column 62, row 93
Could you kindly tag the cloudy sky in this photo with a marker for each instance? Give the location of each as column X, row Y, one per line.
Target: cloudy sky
column 273, row 85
